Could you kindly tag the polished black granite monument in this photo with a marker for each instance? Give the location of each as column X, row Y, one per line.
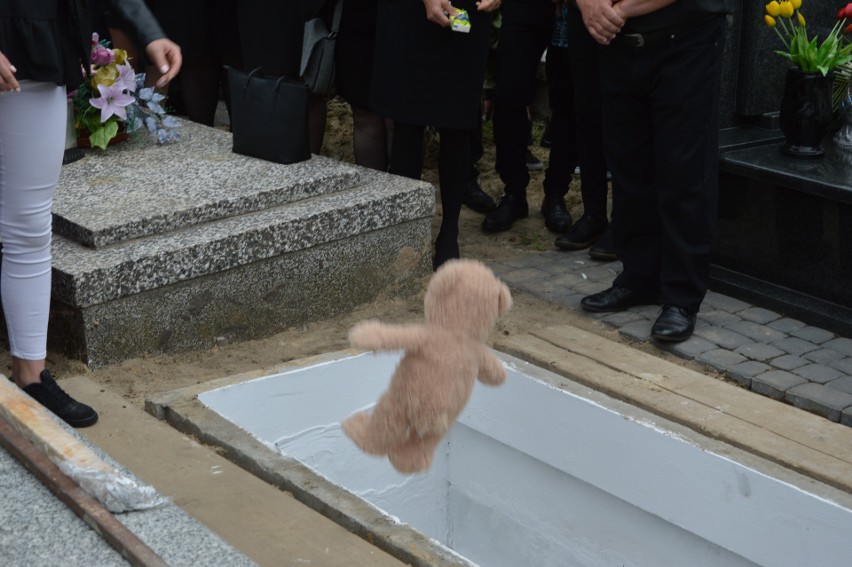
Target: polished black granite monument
column 785, row 233
column 785, row 225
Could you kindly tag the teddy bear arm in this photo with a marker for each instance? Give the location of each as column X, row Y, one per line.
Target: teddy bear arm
column 373, row 335
column 491, row 369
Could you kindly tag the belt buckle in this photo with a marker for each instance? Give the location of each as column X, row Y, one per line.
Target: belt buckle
column 635, row 39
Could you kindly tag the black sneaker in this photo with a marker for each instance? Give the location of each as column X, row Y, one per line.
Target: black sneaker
column 533, row 163
column 583, row 234
column 50, row 395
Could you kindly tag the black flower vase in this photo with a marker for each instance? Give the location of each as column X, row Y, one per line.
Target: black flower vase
column 805, row 113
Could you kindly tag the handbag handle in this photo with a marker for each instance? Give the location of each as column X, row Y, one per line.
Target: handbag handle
column 253, row 73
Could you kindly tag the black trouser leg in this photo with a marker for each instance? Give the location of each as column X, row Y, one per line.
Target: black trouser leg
column 563, row 135
column 524, row 34
column 661, row 126
column 585, row 71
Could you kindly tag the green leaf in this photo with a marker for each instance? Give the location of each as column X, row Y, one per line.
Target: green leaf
column 100, row 138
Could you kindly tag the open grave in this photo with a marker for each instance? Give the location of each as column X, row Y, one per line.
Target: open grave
column 541, row 471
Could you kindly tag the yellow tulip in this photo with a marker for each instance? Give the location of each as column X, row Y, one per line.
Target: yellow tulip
column 796, row 4
column 770, row 21
column 773, row 9
column 786, row 9
column 802, row 22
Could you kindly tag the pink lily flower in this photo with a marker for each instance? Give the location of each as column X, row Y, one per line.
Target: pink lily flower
column 112, row 102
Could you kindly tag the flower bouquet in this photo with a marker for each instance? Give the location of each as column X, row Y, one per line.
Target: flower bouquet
column 806, row 53
column 115, row 99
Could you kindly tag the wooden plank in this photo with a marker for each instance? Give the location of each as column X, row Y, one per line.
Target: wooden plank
column 655, row 391
column 783, row 419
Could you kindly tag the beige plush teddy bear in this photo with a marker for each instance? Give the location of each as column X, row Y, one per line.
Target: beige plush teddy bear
column 442, row 360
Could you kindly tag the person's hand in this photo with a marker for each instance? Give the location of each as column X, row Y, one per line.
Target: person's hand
column 601, row 19
column 8, row 82
column 437, row 10
column 165, row 55
column 488, row 5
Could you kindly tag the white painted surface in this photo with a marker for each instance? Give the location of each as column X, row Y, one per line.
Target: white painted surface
column 534, row 475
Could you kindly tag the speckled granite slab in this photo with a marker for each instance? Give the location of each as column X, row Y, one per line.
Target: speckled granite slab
column 84, row 276
column 37, row 529
column 137, row 188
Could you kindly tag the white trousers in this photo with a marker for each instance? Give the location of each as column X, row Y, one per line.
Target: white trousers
column 32, row 143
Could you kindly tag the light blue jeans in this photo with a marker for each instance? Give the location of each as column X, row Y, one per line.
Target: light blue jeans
column 32, row 143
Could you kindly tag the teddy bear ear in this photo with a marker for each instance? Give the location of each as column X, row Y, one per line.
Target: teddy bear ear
column 504, row 302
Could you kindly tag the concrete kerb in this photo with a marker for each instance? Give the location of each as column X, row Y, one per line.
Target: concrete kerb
column 183, row 411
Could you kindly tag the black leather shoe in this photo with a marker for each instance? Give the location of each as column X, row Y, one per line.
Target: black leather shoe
column 512, row 206
column 477, row 199
column 583, row 234
column 556, row 215
column 604, row 249
column 50, row 395
column 615, row 299
column 674, row 324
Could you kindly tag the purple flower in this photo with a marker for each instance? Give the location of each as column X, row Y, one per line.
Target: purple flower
column 112, row 102
column 102, row 56
column 126, row 78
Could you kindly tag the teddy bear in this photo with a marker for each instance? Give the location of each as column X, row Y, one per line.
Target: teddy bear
column 442, row 360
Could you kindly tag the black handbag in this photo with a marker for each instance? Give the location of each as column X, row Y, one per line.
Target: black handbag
column 318, row 52
column 269, row 116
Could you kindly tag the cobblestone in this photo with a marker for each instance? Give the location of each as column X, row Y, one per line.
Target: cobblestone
column 622, row 318
column 743, row 372
column 843, row 383
column 759, row 351
column 718, row 318
column 813, row 335
column 725, row 338
column 823, row 356
column 691, row 348
column 759, row 315
column 757, row 332
column 844, row 365
column 720, row 359
column 819, row 399
column 775, row 383
column 817, row 373
column 637, row 330
column 841, row 345
column 724, row 302
column 788, row 362
column 785, row 325
column 795, row 346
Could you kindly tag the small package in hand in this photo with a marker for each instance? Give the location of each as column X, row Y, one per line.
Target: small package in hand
column 460, row 22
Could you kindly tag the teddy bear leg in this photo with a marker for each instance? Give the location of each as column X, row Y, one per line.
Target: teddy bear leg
column 377, row 433
column 416, row 455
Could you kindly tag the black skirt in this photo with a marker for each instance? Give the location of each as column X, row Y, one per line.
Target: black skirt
column 353, row 54
column 426, row 74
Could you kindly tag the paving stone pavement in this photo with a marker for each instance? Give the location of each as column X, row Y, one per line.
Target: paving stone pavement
column 764, row 351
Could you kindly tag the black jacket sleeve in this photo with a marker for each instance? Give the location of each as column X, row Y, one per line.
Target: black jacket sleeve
column 141, row 23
